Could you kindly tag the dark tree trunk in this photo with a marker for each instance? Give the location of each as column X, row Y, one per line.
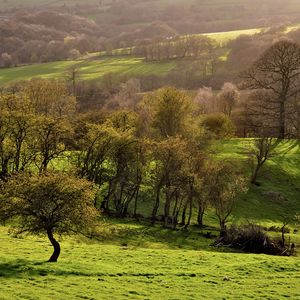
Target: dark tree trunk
column 282, row 120
column 156, row 206
column 183, row 216
column 200, row 215
column 167, row 208
column 255, row 173
column 188, row 223
column 55, row 245
column 223, row 228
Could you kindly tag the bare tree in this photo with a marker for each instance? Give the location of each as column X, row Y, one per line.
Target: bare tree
column 278, row 71
column 262, row 150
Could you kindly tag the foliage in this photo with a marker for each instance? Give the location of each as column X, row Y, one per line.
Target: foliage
column 53, row 203
column 218, row 125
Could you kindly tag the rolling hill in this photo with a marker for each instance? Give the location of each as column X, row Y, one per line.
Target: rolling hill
column 133, row 261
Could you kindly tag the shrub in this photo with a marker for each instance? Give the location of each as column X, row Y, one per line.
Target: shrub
column 251, row 238
column 219, row 125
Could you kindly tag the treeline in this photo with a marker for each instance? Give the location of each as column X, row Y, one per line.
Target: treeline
column 46, row 36
column 263, row 102
column 159, row 150
column 131, row 144
column 35, row 35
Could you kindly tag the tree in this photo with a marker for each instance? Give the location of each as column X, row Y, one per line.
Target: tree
column 168, row 110
column 17, row 122
column 223, row 184
column 205, row 100
column 169, row 177
column 261, row 151
column 6, row 60
column 227, row 98
column 278, row 71
column 50, row 97
column 54, row 203
column 218, row 125
column 51, row 136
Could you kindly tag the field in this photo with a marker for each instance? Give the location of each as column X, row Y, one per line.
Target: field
column 86, row 69
column 93, row 67
column 130, row 260
column 90, row 270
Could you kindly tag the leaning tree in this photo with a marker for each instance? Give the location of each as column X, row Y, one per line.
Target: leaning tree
column 53, row 203
column 277, row 71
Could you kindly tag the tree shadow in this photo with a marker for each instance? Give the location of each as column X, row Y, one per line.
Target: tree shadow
column 25, row 268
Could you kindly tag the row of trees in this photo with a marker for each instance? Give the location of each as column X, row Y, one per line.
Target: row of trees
column 160, row 148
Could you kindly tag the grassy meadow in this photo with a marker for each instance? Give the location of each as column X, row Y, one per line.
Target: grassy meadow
column 104, row 270
column 89, row 69
column 130, row 260
column 93, row 67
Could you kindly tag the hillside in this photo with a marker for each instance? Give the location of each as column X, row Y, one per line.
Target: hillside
column 93, row 66
column 132, row 261
column 86, row 69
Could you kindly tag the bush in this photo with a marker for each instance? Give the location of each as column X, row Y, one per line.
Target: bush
column 251, row 238
column 219, row 125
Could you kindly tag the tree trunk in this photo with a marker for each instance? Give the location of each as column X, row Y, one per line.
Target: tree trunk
column 190, row 212
column 255, row 174
column 183, row 216
column 156, row 206
column 282, row 120
column 200, row 215
column 222, row 228
column 55, row 245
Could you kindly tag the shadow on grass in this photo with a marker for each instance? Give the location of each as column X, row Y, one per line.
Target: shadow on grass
column 27, row 268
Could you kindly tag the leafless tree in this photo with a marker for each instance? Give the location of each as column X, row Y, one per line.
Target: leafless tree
column 277, row 71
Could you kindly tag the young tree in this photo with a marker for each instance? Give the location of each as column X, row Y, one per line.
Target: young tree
column 227, row 98
column 51, row 135
column 261, row 151
column 223, row 184
column 205, row 101
column 278, row 71
column 168, row 111
column 54, row 203
column 218, row 125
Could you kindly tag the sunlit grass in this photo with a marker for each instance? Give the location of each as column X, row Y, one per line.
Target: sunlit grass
column 130, row 260
column 86, row 69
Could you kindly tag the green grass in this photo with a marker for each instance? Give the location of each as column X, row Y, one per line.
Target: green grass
column 224, row 37
column 280, row 174
column 105, row 270
column 130, row 260
column 89, row 69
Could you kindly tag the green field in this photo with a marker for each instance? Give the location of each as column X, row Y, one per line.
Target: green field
column 101, row 270
column 91, row 67
column 130, row 260
column 86, row 69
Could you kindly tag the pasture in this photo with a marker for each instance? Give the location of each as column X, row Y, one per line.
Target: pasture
column 88, row 69
column 153, row 270
column 130, row 260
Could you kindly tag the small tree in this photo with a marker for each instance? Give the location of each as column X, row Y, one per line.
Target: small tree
column 228, row 98
column 223, row 184
column 260, row 153
column 54, row 203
